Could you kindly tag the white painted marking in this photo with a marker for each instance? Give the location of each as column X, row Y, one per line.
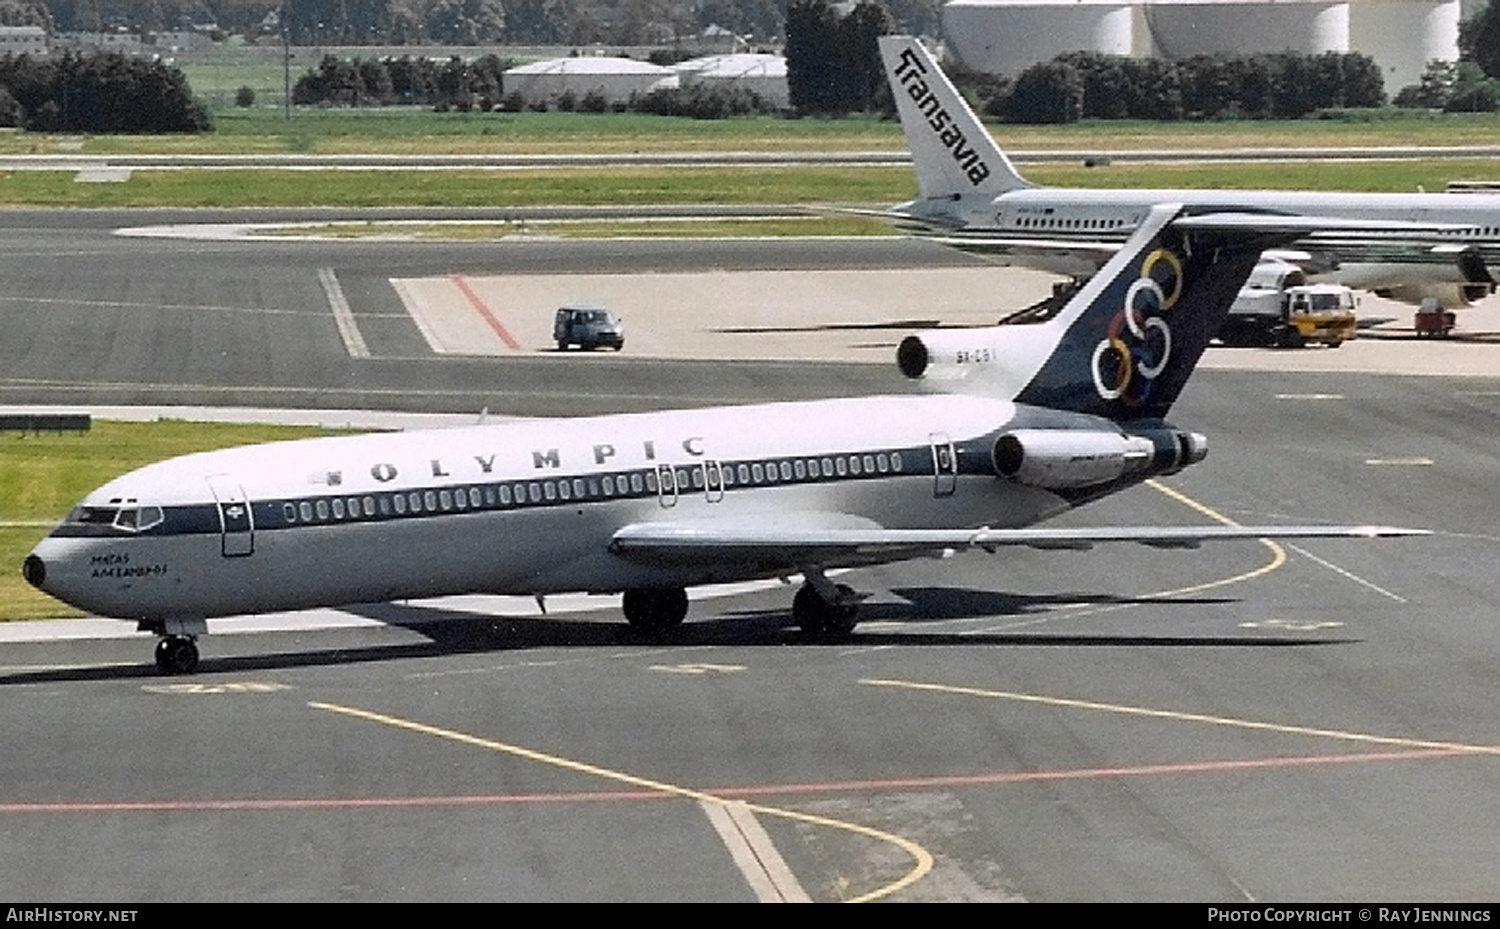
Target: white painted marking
column 1414, row 461
column 415, row 304
column 697, row 668
column 1293, row 625
column 1309, row 396
column 343, row 316
column 750, row 847
column 231, row 687
column 1343, row 573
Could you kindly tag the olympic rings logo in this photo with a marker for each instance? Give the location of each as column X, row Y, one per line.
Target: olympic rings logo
column 1139, row 341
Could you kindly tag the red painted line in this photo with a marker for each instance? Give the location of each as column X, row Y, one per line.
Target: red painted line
column 907, row 783
column 485, row 313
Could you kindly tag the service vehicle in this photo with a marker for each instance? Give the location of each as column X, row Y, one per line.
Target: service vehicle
column 587, row 326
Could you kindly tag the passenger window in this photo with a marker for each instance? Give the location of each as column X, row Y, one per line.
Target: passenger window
column 636, row 482
column 578, row 488
column 475, row 500
column 550, row 488
column 304, row 509
column 563, row 490
column 744, row 474
column 338, row 508
column 414, row 501
column 828, row 467
column 322, row 506
column 505, row 494
column 895, row 461
column 869, row 463
column 786, row 470
column 289, row 512
column 534, row 492
column 800, row 469
column 399, row 502
column 430, row 501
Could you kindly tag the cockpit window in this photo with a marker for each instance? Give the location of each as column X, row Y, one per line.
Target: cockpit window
column 128, row 518
column 94, row 515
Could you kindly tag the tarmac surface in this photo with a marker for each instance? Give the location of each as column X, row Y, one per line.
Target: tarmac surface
column 1241, row 723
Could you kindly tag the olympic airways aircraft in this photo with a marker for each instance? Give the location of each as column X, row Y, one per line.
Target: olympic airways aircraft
column 972, row 197
column 1024, row 422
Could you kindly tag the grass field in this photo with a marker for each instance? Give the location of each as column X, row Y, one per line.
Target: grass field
column 673, row 185
column 43, row 476
column 263, row 129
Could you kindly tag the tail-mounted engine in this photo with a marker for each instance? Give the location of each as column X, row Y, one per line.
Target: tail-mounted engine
column 1065, row 459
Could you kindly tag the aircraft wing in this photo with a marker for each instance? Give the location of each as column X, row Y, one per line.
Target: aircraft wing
column 836, row 541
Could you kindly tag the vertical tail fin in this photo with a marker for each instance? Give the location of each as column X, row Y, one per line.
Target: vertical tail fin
column 1124, row 345
column 1129, row 339
column 954, row 155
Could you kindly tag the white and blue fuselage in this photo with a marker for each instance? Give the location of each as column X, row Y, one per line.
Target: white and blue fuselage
column 524, row 507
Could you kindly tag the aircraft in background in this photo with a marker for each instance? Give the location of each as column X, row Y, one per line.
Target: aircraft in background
column 973, row 198
column 1030, row 421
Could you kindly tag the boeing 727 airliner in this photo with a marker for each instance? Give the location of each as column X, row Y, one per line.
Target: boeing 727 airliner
column 1030, row 421
column 973, row 198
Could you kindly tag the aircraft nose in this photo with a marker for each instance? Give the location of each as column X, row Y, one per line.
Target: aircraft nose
column 34, row 570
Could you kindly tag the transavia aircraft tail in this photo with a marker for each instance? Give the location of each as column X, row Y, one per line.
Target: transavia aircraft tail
column 1023, row 422
column 972, row 197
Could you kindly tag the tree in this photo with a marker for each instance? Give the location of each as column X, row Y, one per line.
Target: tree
column 1479, row 39
column 811, row 37
column 1050, row 92
column 833, row 65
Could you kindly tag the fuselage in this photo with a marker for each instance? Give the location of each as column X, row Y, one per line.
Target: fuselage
column 524, row 507
column 1054, row 218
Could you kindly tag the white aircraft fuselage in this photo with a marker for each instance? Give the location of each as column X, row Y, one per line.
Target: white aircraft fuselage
column 973, row 198
column 523, row 507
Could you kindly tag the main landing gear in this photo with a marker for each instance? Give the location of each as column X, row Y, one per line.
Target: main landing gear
column 821, row 608
column 655, row 610
column 177, row 654
column 824, row 609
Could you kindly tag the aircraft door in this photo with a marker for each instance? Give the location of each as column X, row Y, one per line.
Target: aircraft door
column 713, row 480
column 236, row 523
column 944, row 464
column 666, row 485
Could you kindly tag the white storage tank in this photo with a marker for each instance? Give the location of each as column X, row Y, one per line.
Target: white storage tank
column 1404, row 35
column 1182, row 28
column 1007, row 36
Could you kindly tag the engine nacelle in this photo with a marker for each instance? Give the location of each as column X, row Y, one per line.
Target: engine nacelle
column 1064, row 459
column 1000, row 358
column 1449, row 296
